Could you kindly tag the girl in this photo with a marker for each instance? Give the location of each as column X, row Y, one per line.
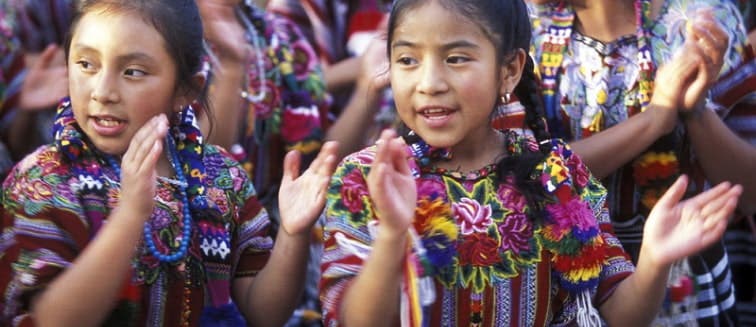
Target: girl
column 598, row 62
column 129, row 218
column 468, row 225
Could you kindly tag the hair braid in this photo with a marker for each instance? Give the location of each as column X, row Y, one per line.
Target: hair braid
column 521, row 166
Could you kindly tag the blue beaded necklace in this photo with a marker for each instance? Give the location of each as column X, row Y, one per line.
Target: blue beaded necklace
column 186, row 223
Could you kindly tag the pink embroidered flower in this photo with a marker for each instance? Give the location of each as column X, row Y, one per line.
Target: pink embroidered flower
column 431, row 188
column 479, row 250
column 572, row 213
column 471, row 216
column 511, row 197
column 218, row 197
column 264, row 109
column 353, row 190
column 515, row 232
column 299, row 123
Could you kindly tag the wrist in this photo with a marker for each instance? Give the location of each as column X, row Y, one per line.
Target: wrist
column 693, row 114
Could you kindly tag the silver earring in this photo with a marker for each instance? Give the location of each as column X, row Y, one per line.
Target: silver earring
column 506, row 97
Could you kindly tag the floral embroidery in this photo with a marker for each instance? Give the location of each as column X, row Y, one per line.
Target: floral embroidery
column 471, row 216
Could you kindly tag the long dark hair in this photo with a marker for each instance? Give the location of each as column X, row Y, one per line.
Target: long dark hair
column 506, row 23
column 177, row 21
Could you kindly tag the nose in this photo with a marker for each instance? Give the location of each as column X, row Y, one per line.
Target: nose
column 432, row 78
column 104, row 89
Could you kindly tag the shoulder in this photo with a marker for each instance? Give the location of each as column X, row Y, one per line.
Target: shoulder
column 563, row 169
column 42, row 180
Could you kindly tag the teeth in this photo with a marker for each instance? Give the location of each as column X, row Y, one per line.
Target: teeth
column 434, row 111
column 108, row 122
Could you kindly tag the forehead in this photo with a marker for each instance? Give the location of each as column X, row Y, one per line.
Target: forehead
column 432, row 21
column 113, row 31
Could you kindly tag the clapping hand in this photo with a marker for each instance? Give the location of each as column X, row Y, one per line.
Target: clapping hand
column 679, row 228
column 391, row 185
column 302, row 198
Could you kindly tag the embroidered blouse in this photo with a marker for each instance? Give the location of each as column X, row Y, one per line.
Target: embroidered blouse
column 502, row 267
column 48, row 219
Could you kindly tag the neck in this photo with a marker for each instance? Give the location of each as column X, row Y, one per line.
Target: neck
column 605, row 20
column 476, row 152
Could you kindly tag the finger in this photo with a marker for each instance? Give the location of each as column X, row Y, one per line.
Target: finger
column 708, row 196
column 149, row 161
column 330, row 150
column 399, row 156
column 142, row 142
column 291, row 164
column 674, row 194
column 381, row 154
column 715, row 225
column 715, row 201
column 47, row 56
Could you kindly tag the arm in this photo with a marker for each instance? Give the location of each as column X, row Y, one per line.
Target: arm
column 674, row 230
column 229, row 66
column 269, row 298
column 372, row 298
column 712, row 141
column 116, row 241
column 342, row 74
column 349, row 129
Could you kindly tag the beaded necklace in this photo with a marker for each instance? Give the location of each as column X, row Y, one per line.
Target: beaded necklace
column 655, row 169
column 186, row 222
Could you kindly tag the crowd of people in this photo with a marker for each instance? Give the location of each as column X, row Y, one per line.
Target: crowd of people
column 377, row 163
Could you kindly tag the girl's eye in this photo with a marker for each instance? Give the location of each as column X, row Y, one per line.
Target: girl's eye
column 85, row 65
column 134, row 72
column 457, row 59
column 405, row 61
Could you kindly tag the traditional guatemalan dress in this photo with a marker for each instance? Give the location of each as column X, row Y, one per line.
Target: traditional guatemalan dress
column 491, row 260
column 590, row 86
column 52, row 207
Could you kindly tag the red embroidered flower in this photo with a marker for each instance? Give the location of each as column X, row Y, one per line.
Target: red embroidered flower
column 353, row 190
column 479, row 250
column 579, row 171
column 471, row 216
column 299, row 123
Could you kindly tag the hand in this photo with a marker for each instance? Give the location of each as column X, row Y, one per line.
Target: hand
column 709, row 41
column 301, row 198
column 223, row 29
column 46, row 80
column 375, row 65
column 676, row 229
column 138, row 167
column 673, row 81
column 391, row 185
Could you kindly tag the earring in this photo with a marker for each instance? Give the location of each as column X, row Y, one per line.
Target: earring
column 506, row 97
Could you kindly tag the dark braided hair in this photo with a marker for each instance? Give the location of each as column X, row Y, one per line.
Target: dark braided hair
column 507, row 25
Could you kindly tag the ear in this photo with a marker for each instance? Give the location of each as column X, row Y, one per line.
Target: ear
column 511, row 71
column 187, row 95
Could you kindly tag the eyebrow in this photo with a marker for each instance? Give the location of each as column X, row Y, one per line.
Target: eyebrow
column 132, row 56
column 446, row 47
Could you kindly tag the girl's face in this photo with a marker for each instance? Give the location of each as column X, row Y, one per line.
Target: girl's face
column 445, row 76
column 120, row 76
